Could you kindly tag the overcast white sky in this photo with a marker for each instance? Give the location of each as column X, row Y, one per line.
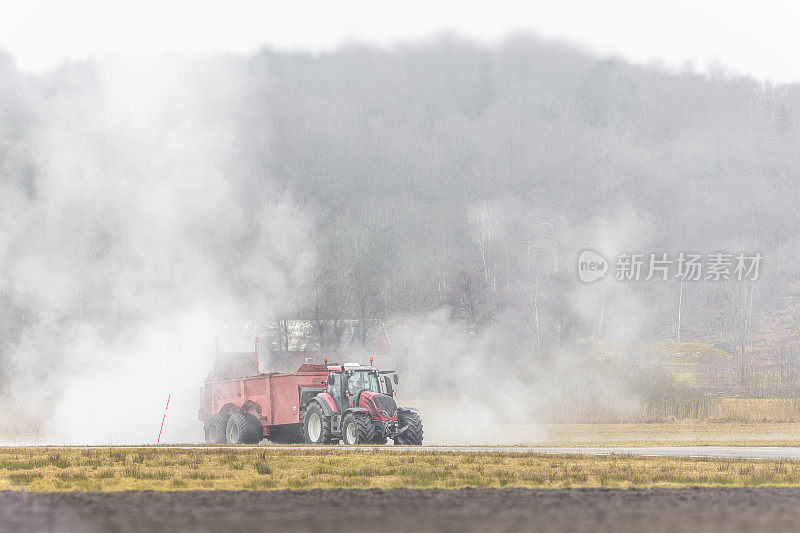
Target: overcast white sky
column 757, row 38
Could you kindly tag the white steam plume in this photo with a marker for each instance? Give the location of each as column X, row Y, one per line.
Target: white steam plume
column 132, row 244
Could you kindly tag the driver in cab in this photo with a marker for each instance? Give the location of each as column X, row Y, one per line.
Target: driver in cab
column 356, row 383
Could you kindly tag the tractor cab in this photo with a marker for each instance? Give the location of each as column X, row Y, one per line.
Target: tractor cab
column 360, row 380
column 335, row 389
column 349, row 381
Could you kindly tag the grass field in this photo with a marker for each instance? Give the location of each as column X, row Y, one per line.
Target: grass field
column 694, row 433
column 264, row 468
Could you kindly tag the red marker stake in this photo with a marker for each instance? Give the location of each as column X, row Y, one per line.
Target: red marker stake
column 162, row 421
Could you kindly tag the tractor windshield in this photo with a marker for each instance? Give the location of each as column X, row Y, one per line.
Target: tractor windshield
column 363, row 379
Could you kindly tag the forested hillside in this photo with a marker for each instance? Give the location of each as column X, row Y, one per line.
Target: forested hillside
column 376, row 184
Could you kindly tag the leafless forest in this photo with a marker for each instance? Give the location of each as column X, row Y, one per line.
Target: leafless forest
column 443, row 190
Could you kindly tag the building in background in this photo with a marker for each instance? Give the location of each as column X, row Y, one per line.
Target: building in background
column 283, row 345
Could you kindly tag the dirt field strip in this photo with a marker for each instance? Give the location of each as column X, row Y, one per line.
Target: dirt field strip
column 37, row 469
column 704, row 510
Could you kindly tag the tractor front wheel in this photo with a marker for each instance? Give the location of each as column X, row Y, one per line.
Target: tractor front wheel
column 243, row 428
column 412, row 435
column 215, row 428
column 357, row 430
column 316, row 426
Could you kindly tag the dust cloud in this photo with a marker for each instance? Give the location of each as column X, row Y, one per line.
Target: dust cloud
column 136, row 239
column 501, row 381
column 440, row 191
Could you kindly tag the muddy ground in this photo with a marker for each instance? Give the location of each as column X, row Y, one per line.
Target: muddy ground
column 697, row 509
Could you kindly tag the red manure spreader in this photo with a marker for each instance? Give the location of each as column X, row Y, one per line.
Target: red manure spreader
column 317, row 404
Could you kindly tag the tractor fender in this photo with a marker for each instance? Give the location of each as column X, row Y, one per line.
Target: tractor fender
column 408, row 409
column 251, row 407
column 326, row 409
column 357, row 411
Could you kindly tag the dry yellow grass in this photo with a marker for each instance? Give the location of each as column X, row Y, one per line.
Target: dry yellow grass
column 754, row 410
column 666, row 409
column 265, row 468
column 694, row 433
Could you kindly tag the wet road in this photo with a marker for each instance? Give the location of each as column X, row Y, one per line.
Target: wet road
column 731, row 452
column 734, row 452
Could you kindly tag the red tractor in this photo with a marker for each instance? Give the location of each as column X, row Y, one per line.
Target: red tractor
column 318, row 404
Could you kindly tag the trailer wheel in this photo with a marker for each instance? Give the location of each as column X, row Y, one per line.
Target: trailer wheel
column 243, row 428
column 412, row 435
column 316, row 426
column 357, row 430
column 215, row 428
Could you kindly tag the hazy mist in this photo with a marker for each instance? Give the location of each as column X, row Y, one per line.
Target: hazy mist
column 444, row 189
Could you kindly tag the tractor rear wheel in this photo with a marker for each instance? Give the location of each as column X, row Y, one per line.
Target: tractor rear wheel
column 412, row 435
column 215, row 428
column 316, row 426
column 243, row 428
column 357, row 430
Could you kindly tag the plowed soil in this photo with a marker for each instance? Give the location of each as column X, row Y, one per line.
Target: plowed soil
column 656, row 510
